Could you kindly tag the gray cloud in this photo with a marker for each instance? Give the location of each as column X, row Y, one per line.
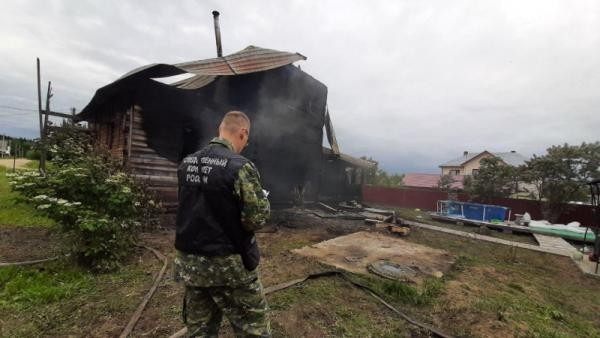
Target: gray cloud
column 411, row 83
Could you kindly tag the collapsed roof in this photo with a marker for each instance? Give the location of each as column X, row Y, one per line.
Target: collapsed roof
column 288, row 108
column 251, row 59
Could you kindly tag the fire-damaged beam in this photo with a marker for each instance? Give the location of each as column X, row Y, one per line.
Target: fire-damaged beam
column 331, row 134
column 53, row 113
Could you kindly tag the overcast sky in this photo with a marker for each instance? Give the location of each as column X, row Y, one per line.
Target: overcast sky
column 411, row 83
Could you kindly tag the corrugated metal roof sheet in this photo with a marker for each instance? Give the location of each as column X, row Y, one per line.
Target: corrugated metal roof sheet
column 194, row 82
column 251, row 59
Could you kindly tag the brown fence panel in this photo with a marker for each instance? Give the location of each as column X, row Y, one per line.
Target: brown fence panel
column 426, row 199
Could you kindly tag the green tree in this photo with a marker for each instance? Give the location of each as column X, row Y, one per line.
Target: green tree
column 446, row 181
column 494, row 179
column 370, row 173
column 382, row 178
column 561, row 174
column 377, row 176
column 19, row 146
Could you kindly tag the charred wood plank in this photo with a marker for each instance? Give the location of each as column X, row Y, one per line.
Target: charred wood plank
column 135, row 143
column 142, row 149
column 327, row 207
column 156, row 178
column 53, row 113
column 158, row 170
column 139, row 132
column 155, row 161
column 138, row 138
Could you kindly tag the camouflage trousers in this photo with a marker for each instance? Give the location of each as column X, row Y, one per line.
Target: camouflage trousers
column 244, row 306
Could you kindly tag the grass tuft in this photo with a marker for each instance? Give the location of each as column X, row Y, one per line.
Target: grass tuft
column 403, row 292
column 22, row 287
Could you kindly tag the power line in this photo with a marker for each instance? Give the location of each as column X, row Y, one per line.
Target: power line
column 19, row 113
column 17, row 108
column 31, row 110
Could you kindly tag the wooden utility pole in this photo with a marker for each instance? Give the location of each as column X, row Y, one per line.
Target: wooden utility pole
column 44, row 129
column 14, row 150
column 39, row 87
column 44, row 116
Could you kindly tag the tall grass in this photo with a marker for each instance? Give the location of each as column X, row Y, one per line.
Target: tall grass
column 13, row 213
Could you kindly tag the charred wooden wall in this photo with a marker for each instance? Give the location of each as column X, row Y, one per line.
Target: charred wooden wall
column 147, row 165
column 287, row 108
column 111, row 135
column 340, row 180
column 124, row 137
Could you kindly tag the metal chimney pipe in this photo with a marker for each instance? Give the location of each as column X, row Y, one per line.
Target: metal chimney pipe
column 217, row 33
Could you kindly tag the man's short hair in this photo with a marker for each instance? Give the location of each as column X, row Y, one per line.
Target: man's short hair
column 234, row 121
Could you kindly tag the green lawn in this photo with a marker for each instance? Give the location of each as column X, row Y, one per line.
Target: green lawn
column 59, row 299
column 30, row 286
column 13, row 213
column 522, row 293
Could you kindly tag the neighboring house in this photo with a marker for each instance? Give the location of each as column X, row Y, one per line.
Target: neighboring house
column 4, row 147
column 429, row 181
column 469, row 163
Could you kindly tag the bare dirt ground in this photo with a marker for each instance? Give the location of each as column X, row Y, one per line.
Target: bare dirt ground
column 491, row 291
column 278, row 265
column 8, row 163
column 20, row 244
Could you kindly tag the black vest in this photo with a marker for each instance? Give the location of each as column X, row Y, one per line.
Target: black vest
column 209, row 214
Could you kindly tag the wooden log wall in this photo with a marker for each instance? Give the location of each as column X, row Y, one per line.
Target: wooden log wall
column 124, row 137
column 145, row 164
column 111, row 136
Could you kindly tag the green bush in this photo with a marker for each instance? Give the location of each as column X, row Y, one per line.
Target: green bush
column 32, row 155
column 98, row 206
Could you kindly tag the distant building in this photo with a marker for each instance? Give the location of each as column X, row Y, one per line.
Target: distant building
column 469, row 163
column 4, row 147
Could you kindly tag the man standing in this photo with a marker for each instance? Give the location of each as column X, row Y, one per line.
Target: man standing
column 221, row 204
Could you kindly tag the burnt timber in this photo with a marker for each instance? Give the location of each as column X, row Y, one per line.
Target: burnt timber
column 150, row 126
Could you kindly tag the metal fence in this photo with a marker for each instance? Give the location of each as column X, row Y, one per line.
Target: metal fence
column 426, row 199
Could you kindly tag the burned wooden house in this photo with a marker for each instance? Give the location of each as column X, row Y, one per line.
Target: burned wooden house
column 150, row 126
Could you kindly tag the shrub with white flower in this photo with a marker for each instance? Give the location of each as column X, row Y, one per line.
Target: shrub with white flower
column 98, row 206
